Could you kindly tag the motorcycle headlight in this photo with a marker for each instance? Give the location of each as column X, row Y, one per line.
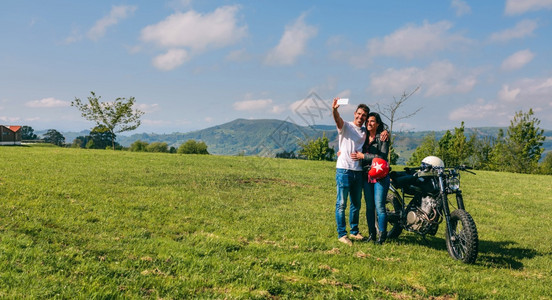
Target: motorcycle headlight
column 454, row 184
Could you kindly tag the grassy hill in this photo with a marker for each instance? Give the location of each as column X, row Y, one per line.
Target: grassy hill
column 78, row 223
column 268, row 137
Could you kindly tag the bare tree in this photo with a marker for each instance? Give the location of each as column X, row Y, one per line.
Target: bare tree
column 391, row 112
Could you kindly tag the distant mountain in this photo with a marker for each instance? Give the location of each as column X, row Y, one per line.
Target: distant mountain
column 268, row 136
column 241, row 136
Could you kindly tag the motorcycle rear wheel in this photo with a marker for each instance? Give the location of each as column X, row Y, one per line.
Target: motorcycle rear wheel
column 394, row 208
column 463, row 241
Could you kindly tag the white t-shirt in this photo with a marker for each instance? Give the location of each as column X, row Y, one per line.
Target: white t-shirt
column 351, row 139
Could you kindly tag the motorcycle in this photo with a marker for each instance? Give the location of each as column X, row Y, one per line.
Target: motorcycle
column 423, row 203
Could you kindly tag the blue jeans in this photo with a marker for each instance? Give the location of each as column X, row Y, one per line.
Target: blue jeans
column 375, row 195
column 348, row 183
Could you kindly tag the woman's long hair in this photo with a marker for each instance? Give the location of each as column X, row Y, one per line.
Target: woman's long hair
column 381, row 125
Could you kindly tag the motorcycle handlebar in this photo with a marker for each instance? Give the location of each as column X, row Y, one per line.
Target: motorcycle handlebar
column 460, row 167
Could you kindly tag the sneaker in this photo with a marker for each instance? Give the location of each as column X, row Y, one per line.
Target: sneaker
column 345, row 240
column 357, row 237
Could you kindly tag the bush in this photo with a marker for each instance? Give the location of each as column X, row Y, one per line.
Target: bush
column 157, row 147
column 139, row 146
column 193, row 147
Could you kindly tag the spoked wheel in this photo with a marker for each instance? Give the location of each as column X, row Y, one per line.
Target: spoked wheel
column 393, row 207
column 462, row 242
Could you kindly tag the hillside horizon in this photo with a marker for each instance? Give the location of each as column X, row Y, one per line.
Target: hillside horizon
column 266, row 137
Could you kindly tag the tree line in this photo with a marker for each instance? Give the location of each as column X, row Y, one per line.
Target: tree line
column 101, row 138
column 518, row 149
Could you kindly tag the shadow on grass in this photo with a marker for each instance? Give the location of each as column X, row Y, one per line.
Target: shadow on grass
column 492, row 254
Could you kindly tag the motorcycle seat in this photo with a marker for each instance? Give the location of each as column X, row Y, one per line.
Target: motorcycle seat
column 402, row 179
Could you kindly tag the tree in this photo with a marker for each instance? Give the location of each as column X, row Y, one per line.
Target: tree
column 520, row 148
column 157, row 147
column 500, row 153
column 193, row 147
column 390, row 112
column 102, row 138
column 80, row 141
column 525, row 141
column 455, row 149
column 27, row 133
column 393, row 156
column 317, row 149
column 545, row 166
column 53, row 136
column 429, row 146
column 117, row 116
column 482, row 151
column 286, row 154
column 444, row 145
column 138, row 146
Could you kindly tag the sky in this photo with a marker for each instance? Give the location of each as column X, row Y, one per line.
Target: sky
column 193, row 64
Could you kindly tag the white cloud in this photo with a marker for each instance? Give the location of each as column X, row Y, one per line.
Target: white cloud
column 529, row 92
column 477, row 111
column 522, row 29
column 170, row 60
column 507, row 94
column 196, row 31
column 312, row 109
column 292, row 44
column 344, row 94
column 47, row 103
column 116, row 14
column 156, row 122
column 238, row 55
column 461, row 7
column 439, row 78
column 9, row 119
column 412, row 41
column 525, row 94
column 74, row 37
column 148, row 108
column 517, row 7
column 517, row 60
column 277, row 109
column 251, row 105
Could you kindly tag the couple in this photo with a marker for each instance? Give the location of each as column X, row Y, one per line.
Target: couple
column 358, row 145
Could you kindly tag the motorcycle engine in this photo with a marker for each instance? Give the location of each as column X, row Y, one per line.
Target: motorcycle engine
column 420, row 217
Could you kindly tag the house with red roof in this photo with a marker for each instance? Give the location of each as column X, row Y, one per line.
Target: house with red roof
column 10, row 135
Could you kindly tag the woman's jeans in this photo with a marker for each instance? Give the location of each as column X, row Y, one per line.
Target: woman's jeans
column 375, row 195
column 348, row 183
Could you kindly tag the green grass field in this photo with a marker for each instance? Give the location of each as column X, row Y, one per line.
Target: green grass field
column 80, row 223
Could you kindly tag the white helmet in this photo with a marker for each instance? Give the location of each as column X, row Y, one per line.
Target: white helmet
column 433, row 161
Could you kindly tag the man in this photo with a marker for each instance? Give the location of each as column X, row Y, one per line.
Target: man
column 348, row 175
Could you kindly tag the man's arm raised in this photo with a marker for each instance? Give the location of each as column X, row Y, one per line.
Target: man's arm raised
column 337, row 118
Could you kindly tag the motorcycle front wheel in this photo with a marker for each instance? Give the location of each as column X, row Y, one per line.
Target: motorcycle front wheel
column 393, row 207
column 462, row 242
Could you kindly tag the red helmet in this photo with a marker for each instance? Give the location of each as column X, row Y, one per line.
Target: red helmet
column 379, row 168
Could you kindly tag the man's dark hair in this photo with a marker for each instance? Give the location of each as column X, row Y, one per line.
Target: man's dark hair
column 364, row 107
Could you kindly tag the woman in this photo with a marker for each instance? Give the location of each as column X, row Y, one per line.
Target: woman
column 375, row 190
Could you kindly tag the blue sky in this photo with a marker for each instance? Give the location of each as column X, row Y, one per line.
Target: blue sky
column 196, row 64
